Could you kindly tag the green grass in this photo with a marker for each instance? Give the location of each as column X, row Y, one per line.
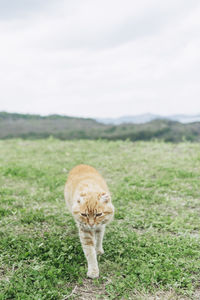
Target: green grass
column 151, row 248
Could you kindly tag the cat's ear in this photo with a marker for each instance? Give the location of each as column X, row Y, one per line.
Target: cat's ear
column 104, row 197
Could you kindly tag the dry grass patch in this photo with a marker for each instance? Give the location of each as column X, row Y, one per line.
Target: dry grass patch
column 89, row 290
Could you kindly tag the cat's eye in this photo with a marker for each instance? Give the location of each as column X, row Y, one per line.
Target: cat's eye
column 99, row 214
column 84, row 215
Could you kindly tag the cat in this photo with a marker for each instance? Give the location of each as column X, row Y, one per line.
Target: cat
column 88, row 199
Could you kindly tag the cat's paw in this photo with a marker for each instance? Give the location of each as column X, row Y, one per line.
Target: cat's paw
column 100, row 251
column 93, row 273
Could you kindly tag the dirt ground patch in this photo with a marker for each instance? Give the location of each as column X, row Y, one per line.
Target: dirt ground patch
column 88, row 291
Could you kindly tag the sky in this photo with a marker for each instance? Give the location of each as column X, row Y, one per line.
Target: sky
column 105, row 58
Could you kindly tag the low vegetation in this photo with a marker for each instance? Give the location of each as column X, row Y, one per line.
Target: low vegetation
column 151, row 248
column 69, row 128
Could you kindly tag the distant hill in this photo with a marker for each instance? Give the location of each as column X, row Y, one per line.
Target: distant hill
column 145, row 118
column 27, row 126
column 30, row 126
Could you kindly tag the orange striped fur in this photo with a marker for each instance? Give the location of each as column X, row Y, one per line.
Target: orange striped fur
column 88, row 199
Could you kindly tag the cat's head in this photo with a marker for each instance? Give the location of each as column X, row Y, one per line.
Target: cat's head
column 92, row 209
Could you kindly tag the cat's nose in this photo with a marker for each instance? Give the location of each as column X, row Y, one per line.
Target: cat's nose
column 91, row 222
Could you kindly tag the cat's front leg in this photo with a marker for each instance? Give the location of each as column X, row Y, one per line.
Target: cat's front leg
column 87, row 239
column 99, row 239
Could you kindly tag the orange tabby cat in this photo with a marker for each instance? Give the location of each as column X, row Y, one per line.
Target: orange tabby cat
column 88, row 199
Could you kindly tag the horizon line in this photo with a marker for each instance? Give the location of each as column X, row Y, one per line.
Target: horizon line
column 96, row 118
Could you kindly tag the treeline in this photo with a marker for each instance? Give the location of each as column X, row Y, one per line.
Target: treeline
column 66, row 128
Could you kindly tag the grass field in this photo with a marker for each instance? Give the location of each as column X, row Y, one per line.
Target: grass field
column 152, row 248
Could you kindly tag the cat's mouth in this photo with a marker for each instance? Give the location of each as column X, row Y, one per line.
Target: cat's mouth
column 89, row 227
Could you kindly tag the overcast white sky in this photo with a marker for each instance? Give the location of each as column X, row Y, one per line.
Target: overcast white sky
column 97, row 58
